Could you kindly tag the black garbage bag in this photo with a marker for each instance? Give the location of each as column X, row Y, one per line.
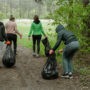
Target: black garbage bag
column 8, row 59
column 47, row 46
column 50, row 68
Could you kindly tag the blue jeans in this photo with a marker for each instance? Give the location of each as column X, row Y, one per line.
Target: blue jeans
column 68, row 53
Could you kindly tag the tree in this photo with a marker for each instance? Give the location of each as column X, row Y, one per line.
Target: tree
column 24, row 8
column 76, row 17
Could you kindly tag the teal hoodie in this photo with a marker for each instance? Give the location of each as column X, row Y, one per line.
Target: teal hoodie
column 63, row 35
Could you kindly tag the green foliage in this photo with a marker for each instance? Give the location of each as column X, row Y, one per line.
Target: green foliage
column 72, row 14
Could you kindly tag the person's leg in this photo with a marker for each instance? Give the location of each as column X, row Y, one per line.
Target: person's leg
column 73, row 49
column 70, row 66
column 65, row 68
column 9, row 37
column 65, row 63
column 38, row 43
column 14, row 43
column 74, row 46
column 34, row 44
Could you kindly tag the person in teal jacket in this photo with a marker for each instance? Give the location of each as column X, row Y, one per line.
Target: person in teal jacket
column 71, row 46
column 36, row 31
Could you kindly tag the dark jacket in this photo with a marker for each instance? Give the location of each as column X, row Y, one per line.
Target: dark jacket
column 2, row 32
column 63, row 35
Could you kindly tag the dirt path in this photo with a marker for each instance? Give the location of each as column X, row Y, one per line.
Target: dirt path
column 26, row 75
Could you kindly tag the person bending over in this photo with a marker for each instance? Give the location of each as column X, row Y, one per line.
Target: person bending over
column 71, row 46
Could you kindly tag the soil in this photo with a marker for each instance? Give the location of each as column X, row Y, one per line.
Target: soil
column 26, row 75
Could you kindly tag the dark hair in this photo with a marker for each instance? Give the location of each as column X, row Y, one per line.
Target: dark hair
column 36, row 18
column 11, row 17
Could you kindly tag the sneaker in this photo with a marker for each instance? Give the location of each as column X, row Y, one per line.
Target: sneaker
column 34, row 54
column 65, row 75
column 70, row 76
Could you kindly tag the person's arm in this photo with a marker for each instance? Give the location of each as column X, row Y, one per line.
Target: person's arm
column 31, row 29
column 17, row 31
column 3, row 33
column 43, row 31
column 59, row 37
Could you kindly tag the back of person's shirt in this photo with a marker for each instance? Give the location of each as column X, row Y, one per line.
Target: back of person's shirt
column 11, row 27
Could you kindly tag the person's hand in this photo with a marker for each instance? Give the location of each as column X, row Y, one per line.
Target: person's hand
column 20, row 36
column 60, row 51
column 51, row 52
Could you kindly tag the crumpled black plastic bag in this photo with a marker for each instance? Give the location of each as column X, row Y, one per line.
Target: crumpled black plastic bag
column 8, row 59
column 47, row 46
column 50, row 68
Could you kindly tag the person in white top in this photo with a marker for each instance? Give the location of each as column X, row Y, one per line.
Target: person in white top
column 12, row 32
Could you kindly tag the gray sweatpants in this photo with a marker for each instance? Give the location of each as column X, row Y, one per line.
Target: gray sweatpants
column 68, row 54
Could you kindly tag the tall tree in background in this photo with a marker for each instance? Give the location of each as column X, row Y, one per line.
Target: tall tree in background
column 38, row 9
column 24, row 8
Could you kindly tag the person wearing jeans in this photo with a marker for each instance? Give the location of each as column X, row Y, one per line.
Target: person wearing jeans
column 36, row 31
column 71, row 46
column 68, row 54
column 11, row 32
